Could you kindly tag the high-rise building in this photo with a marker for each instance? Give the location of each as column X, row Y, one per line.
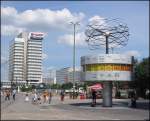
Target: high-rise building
column 25, row 58
column 65, row 75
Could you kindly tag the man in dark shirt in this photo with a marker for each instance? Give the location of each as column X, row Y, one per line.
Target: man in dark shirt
column 94, row 97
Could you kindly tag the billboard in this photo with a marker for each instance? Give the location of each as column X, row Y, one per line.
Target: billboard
column 107, row 67
column 36, row 35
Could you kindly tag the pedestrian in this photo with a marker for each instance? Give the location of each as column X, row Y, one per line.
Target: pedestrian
column 27, row 97
column 39, row 99
column 47, row 96
column 7, row 95
column 62, row 94
column 93, row 97
column 44, row 96
column 1, row 93
column 147, row 94
column 50, row 97
column 133, row 99
column 32, row 97
column 14, row 94
column 70, row 95
column 35, row 97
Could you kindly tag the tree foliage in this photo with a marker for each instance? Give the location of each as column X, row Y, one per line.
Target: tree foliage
column 55, row 86
column 141, row 77
column 26, row 88
column 68, row 85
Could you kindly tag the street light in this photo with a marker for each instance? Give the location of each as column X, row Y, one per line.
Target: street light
column 74, row 27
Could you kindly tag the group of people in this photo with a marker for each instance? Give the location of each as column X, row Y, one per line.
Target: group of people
column 132, row 102
column 38, row 98
column 8, row 93
column 43, row 97
column 46, row 97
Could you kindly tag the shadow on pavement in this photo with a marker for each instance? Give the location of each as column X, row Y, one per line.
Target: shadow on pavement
column 143, row 105
column 140, row 105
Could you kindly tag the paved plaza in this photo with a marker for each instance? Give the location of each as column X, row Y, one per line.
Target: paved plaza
column 72, row 110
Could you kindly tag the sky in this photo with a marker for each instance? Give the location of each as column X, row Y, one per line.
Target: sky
column 54, row 17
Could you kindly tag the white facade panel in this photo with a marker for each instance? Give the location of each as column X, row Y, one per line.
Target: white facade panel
column 106, row 58
column 107, row 67
column 108, row 76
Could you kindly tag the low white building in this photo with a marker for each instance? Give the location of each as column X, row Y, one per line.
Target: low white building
column 65, row 75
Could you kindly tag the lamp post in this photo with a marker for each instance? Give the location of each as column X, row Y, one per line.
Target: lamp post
column 107, row 91
column 74, row 28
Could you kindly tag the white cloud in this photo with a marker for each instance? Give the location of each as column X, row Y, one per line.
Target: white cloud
column 38, row 19
column 133, row 53
column 96, row 18
column 8, row 30
column 96, row 21
column 68, row 39
column 8, row 11
column 44, row 56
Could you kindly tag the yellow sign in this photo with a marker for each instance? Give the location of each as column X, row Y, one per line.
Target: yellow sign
column 107, row 67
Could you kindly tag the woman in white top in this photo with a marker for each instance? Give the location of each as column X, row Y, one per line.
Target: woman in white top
column 27, row 97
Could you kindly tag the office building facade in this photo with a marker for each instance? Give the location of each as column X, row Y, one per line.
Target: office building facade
column 25, row 58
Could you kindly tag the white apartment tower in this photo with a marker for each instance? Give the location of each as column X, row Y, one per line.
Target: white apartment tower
column 25, row 58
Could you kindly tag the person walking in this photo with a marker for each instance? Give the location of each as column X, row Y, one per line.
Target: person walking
column 27, row 97
column 62, row 94
column 35, row 98
column 93, row 97
column 14, row 94
column 50, row 97
column 44, row 97
column 7, row 95
column 133, row 99
column 147, row 94
column 39, row 98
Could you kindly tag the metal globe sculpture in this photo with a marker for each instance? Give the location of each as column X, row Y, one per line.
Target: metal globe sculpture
column 106, row 31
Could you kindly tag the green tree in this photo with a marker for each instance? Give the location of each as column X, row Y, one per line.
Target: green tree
column 68, row 85
column 141, row 77
column 55, row 86
column 26, row 88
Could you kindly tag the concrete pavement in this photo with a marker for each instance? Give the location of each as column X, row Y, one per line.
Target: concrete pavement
column 70, row 110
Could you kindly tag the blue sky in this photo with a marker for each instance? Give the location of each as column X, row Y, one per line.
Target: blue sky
column 52, row 17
